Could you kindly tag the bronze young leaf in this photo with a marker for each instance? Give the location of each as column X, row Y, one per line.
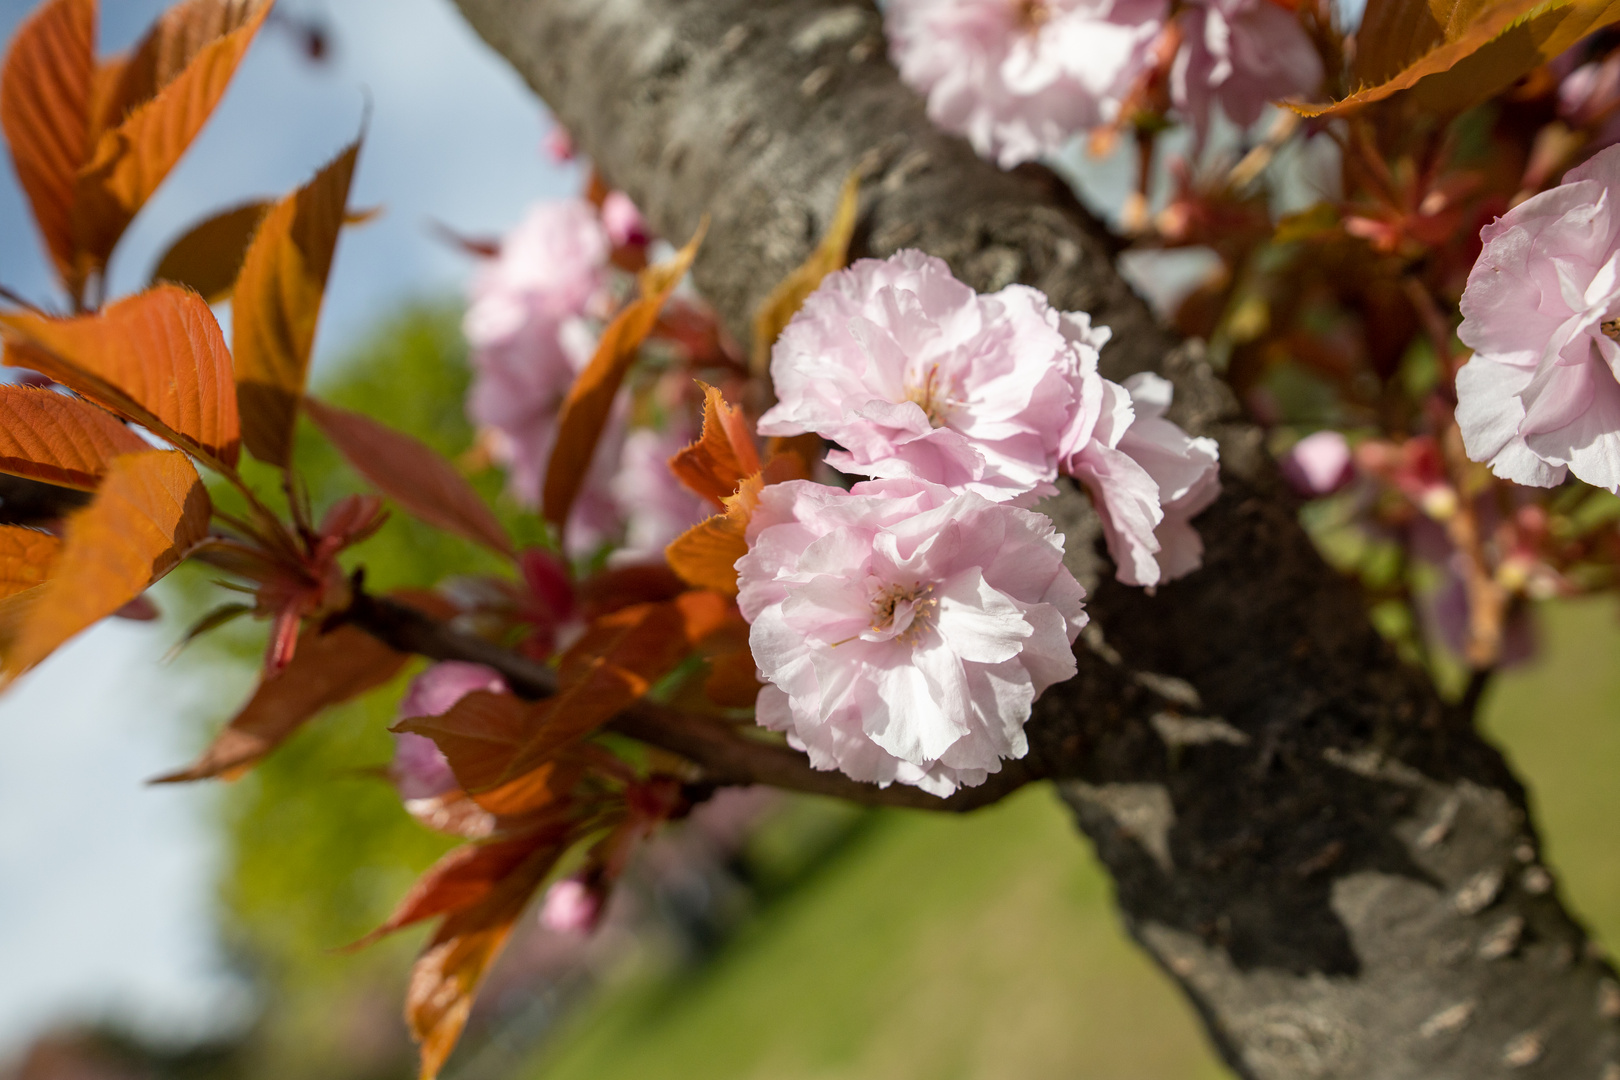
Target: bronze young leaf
column 59, row 439
column 157, row 357
column 277, row 303
column 149, row 512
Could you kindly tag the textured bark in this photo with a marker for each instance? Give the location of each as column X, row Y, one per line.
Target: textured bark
column 1330, row 861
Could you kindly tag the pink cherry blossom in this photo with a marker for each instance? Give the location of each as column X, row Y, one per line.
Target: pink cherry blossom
column 1147, row 478
column 1242, row 54
column 1319, row 464
column 655, row 506
column 1540, row 398
column 1018, row 78
column 530, row 325
column 904, row 630
column 526, row 323
column 914, row 374
column 420, row 770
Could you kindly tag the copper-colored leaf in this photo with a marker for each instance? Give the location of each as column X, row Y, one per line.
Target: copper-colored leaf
column 157, row 357
column 168, row 48
column 194, row 53
column 706, row 554
column 590, row 399
column 723, row 456
column 479, row 735
column 58, row 439
column 503, row 750
column 45, row 102
column 778, row 309
column 25, row 558
column 447, row 974
column 733, row 680
column 150, row 510
column 615, row 663
column 467, row 876
column 277, row 304
column 1456, row 53
column 411, row 474
column 208, row 257
column 327, row 669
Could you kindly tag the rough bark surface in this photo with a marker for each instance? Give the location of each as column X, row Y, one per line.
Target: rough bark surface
column 1335, row 867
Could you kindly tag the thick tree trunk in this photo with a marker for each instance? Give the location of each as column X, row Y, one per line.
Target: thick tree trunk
column 1331, row 863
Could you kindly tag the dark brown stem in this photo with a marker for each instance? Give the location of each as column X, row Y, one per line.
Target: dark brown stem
column 725, row 756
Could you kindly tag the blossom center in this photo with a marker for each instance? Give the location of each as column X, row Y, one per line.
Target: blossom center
column 931, row 396
column 1611, row 329
column 1030, row 15
column 903, row 613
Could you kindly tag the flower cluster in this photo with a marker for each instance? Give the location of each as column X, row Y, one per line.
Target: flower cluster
column 1540, row 398
column 533, row 321
column 905, row 626
column 1019, row 78
column 905, row 629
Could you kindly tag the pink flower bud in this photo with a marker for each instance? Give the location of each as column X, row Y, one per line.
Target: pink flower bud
column 1319, row 464
column 571, row 907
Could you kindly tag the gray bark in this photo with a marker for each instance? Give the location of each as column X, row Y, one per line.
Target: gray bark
column 1330, row 861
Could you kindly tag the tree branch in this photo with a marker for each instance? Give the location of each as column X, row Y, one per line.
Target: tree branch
column 726, row 756
column 1332, row 864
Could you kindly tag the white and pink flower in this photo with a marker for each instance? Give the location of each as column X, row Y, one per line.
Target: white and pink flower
column 904, row 630
column 1019, row 78
column 914, row 374
column 1540, row 397
column 529, row 326
column 1242, row 54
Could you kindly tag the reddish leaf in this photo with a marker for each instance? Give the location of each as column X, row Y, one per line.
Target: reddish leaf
column 58, row 439
column 723, row 457
column 706, row 555
column 447, row 974
column 157, row 358
column 168, row 48
column 733, row 681
column 45, row 102
column 150, row 510
column 194, row 53
column 277, row 304
column 479, row 736
column 590, row 399
column 778, row 309
column 208, row 258
column 613, row 665
column 327, row 669
column 467, row 876
column 512, row 756
column 25, row 558
column 417, row 478
column 1456, row 53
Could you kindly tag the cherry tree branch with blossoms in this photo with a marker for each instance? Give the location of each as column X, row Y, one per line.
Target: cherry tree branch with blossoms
column 1307, row 786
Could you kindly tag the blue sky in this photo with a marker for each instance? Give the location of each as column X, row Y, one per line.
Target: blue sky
column 106, row 884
